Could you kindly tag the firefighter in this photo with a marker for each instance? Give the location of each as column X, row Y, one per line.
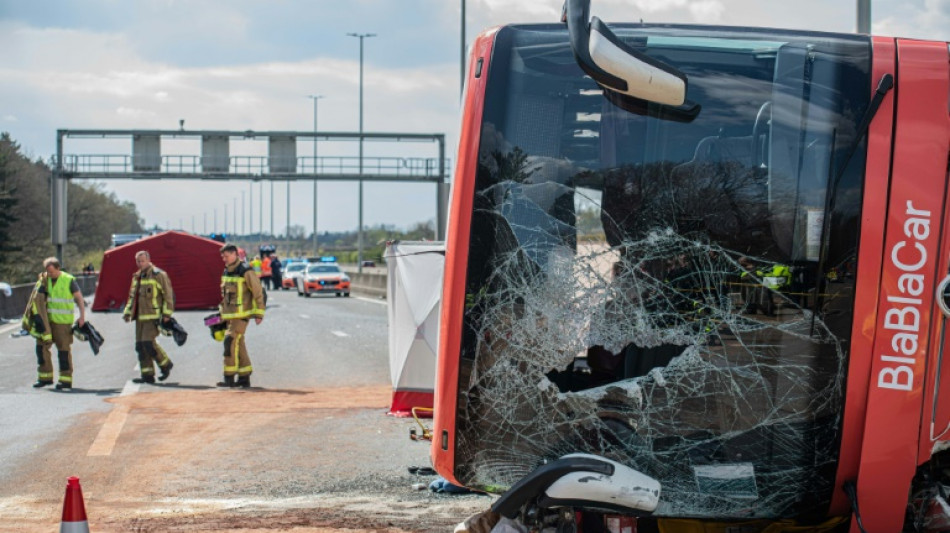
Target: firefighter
column 776, row 278
column 49, row 318
column 242, row 299
column 151, row 299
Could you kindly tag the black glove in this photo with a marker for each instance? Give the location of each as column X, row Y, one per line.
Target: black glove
column 38, row 324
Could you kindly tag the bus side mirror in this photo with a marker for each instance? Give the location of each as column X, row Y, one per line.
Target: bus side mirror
column 629, row 79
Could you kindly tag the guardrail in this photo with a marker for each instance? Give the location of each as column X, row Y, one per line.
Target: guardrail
column 12, row 306
column 370, row 284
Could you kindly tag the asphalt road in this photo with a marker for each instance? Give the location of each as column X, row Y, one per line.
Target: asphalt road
column 309, row 445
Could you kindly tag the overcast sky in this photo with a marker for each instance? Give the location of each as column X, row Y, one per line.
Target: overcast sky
column 250, row 64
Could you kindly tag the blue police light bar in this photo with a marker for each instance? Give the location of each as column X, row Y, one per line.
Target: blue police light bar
column 328, row 259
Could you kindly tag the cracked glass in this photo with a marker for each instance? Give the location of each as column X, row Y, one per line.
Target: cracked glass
column 675, row 295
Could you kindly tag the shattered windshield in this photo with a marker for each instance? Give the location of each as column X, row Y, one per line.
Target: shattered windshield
column 672, row 295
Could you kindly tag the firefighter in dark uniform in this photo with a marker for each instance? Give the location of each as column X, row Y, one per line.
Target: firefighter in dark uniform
column 49, row 319
column 242, row 299
column 151, row 299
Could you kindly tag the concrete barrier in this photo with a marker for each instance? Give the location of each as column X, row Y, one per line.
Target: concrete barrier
column 12, row 306
column 373, row 285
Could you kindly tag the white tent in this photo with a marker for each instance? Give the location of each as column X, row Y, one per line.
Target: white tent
column 414, row 296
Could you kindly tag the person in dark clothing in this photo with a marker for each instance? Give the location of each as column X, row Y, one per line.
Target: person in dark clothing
column 275, row 269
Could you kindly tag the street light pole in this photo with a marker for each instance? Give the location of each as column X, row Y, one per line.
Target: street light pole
column 315, row 98
column 359, row 235
column 242, row 213
column 864, row 16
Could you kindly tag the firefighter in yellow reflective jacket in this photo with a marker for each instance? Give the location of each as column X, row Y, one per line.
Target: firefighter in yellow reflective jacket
column 151, row 299
column 49, row 318
column 242, row 299
column 777, row 278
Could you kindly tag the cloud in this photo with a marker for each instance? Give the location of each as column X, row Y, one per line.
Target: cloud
column 71, row 78
column 929, row 20
column 707, row 11
column 241, row 65
column 134, row 114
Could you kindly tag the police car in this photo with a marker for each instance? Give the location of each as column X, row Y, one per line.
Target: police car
column 293, row 270
column 323, row 276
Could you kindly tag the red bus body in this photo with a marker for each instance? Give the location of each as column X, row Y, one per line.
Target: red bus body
column 896, row 412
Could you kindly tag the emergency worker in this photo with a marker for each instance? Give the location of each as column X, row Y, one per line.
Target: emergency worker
column 151, row 299
column 49, row 319
column 777, row 278
column 256, row 265
column 276, row 278
column 266, row 271
column 242, row 299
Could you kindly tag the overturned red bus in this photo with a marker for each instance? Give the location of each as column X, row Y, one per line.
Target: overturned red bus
column 710, row 262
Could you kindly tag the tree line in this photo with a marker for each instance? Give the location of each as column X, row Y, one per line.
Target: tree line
column 340, row 244
column 92, row 216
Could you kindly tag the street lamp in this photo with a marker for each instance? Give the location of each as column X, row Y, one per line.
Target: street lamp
column 359, row 256
column 315, row 98
column 864, row 16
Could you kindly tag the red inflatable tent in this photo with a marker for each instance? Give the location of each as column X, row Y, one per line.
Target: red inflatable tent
column 193, row 264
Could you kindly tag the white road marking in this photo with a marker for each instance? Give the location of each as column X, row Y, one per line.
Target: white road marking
column 304, row 316
column 339, row 334
column 109, row 432
column 371, row 300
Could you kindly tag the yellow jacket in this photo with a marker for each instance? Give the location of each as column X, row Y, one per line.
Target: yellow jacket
column 241, row 293
column 155, row 297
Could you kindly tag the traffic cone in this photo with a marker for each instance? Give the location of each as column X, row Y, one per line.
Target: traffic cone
column 74, row 510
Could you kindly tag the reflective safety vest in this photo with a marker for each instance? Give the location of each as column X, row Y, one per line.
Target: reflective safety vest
column 241, row 293
column 777, row 277
column 265, row 268
column 155, row 297
column 59, row 300
column 256, row 265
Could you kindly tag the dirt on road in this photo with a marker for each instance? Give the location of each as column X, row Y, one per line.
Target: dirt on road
column 204, row 459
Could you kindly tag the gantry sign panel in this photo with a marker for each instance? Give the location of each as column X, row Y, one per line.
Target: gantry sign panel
column 215, row 161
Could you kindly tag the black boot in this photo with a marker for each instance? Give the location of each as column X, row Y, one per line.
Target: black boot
column 146, row 378
column 63, row 385
column 41, row 383
column 228, row 382
column 244, row 382
column 166, row 371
